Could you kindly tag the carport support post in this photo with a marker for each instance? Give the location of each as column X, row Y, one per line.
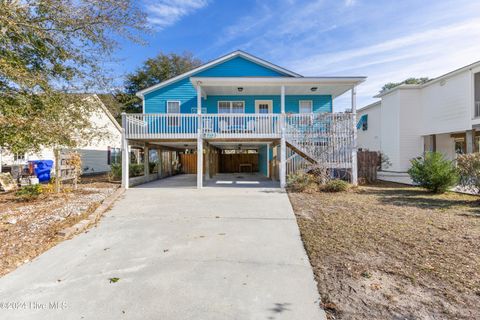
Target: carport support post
column 146, row 162
column 125, row 160
column 207, row 161
column 199, row 139
column 283, row 142
column 354, row 147
column 469, row 134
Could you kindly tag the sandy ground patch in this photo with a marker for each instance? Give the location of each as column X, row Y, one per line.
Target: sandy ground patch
column 29, row 228
column 388, row 251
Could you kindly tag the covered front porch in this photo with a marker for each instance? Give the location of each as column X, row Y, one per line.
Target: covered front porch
column 288, row 122
column 453, row 143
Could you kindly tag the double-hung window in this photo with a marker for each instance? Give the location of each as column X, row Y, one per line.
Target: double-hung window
column 235, row 107
column 305, row 106
column 231, row 107
column 173, row 107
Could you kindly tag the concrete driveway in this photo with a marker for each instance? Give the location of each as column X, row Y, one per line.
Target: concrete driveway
column 179, row 253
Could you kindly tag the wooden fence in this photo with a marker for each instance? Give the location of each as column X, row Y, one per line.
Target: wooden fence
column 368, row 164
column 223, row 163
column 238, row 162
column 189, row 162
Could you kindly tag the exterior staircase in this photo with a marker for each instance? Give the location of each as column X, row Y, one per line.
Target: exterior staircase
column 324, row 139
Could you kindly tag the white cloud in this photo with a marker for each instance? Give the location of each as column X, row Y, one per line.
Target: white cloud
column 350, row 3
column 164, row 13
column 429, row 53
column 324, row 37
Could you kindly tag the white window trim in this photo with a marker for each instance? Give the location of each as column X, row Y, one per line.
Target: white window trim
column 258, row 102
column 173, row 122
column 179, row 106
column 230, row 102
column 300, row 103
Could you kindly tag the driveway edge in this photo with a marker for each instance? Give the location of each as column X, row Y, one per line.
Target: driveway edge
column 93, row 217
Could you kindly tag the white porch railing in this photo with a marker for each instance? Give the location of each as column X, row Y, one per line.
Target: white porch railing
column 326, row 138
column 158, row 126
column 186, row 126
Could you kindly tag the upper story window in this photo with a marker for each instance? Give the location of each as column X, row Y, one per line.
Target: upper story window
column 231, row 107
column 173, row 107
column 305, row 106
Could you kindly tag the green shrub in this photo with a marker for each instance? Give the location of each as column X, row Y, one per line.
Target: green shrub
column 301, row 182
column 335, row 186
column 433, row 172
column 115, row 172
column 136, row 170
column 469, row 170
column 153, row 167
column 29, row 192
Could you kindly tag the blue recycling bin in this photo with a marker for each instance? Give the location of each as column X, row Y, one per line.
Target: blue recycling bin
column 42, row 169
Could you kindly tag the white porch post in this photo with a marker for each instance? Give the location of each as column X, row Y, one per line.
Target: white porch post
column 125, row 154
column 199, row 139
column 268, row 160
column 354, row 147
column 469, row 141
column 283, row 142
column 146, row 162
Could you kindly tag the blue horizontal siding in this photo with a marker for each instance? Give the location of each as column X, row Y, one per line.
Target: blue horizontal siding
column 321, row 103
column 239, row 67
column 183, row 91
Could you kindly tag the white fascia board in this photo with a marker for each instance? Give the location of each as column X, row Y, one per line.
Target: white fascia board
column 371, row 105
column 432, row 81
column 212, row 63
column 400, row 87
column 275, row 81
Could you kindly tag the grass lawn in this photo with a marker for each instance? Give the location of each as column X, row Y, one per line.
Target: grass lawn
column 388, row 251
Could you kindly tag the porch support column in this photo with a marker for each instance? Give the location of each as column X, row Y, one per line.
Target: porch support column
column 429, row 143
column 199, row 162
column 199, row 138
column 469, row 140
column 354, row 146
column 125, row 154
column 146, row 162
column 207, row 161
column 283, row 142
column 268, row 160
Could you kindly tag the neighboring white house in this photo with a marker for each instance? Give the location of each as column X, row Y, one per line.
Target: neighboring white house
column 441, row 115
column 96, row 155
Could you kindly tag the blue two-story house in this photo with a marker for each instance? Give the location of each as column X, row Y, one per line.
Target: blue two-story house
column 240, row 102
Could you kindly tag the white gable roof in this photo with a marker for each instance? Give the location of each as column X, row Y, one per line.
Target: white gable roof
column 212, row 63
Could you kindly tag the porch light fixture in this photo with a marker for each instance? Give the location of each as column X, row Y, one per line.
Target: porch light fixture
column 240, row 89
column 313, row 89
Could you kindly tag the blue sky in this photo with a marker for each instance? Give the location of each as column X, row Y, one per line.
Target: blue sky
column 384, row 40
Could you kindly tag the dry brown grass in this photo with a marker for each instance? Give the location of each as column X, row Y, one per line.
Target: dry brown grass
column 388, row 251
column 36, row 223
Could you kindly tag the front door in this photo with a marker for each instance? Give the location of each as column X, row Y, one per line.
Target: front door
column 263, row 106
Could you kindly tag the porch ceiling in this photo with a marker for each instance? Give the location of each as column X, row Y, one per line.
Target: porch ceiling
column 334, row 86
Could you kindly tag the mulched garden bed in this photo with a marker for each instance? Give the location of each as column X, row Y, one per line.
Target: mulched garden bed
column 29, row 228
column 389, row 251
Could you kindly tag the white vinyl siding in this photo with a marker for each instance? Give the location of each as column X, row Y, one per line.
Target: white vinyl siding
column 305, row 106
